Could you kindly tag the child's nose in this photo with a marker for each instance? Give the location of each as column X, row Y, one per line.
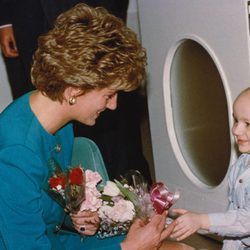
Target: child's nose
column 237, row 130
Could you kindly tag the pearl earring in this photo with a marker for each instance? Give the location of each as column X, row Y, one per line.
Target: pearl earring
column 72, row 100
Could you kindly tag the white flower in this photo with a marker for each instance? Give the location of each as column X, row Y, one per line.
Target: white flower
column 58, row 188
column 105, row 211
column 111, row 189
column 122, row 211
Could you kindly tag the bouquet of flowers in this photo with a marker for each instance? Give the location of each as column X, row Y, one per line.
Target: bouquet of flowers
column 118, row 202
column 129, row 198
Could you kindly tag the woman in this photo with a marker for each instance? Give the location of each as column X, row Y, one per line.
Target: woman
column 78, row 68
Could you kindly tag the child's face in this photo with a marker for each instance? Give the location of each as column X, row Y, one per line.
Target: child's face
column 241, row 127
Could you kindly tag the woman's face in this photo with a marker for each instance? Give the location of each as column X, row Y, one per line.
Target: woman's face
column 89, row 106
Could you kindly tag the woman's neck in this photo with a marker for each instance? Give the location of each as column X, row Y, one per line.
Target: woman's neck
column 51, row 114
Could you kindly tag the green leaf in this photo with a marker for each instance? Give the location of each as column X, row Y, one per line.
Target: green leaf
column 106, row 198
column 127, row 193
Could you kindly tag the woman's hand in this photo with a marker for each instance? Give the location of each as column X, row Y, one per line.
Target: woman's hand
column 149, row 236
column 85, row 222
column 188, row 223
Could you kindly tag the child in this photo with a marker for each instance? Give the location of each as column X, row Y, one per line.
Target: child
column 234, row 224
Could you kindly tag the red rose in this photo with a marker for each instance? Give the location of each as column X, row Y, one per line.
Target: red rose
column 76, row 176
column 54, row 182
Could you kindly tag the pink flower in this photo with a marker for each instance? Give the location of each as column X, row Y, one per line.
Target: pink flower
column 92, row 200
column 92, row 178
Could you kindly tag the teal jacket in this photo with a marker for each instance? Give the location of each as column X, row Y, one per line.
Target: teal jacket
column 28, row 216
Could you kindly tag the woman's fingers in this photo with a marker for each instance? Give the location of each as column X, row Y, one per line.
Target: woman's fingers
column 158, row 221
column 82, row 214
column 167, row 232
column 85, row 217
column 86, row 220
column 86, row 229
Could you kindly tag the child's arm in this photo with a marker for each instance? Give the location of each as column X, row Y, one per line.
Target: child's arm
column 188, row 223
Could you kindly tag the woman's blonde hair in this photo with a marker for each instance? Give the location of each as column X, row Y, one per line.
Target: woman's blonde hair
column 88, row 48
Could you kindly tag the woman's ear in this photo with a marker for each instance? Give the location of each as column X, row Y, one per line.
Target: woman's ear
column 70, row 95
column 72, row 92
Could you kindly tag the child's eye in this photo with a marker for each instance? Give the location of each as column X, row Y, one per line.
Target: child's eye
column 235, row 120
column 247, row 124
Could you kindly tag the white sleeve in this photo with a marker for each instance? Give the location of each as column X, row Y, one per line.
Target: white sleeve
column 5, row 25
column 230, row 223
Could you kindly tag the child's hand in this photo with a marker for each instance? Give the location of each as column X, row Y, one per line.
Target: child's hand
column 188, row 223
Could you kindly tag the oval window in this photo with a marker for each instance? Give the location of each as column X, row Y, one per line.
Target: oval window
column 200, row 113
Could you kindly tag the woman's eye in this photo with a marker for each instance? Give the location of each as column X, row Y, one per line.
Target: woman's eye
column 247, row 124
column 108, row 97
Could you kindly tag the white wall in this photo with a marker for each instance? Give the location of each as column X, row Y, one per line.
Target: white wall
column 5, row 95
column 132, row 18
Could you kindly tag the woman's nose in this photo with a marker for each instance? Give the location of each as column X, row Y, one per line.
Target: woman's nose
column 112, row 102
